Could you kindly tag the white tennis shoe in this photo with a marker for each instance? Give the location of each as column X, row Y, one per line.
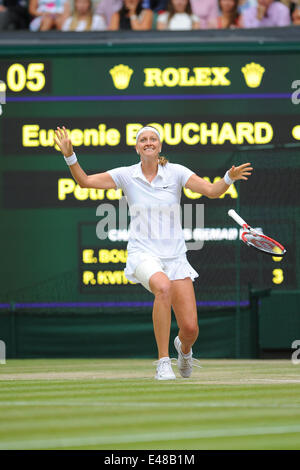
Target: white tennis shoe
column 164, row 369
column 185, row 362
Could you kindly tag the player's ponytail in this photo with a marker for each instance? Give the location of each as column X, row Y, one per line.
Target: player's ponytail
column 162, row 161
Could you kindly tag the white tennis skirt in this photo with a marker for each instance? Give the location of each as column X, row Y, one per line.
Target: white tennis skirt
column 141, row 266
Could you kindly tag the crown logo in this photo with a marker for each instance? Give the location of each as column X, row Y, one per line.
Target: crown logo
column 253, row 74
column 121, row 75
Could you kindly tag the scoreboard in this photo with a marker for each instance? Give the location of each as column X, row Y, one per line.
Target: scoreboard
column 212, row 109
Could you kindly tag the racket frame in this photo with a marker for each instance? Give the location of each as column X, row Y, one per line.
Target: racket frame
column 248, row 229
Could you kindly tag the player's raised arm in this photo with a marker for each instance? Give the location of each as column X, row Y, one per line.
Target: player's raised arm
column 215, row 190
column 98, row 181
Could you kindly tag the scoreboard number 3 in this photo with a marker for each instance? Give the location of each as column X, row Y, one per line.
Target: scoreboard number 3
column 31, row 76
column 278, row 277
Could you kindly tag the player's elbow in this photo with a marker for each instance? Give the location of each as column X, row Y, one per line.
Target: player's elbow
column 83, row 183
column 211, row 192
column 213, row 196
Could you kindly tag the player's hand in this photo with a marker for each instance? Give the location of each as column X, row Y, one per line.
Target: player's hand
column 63, row 141
column 240, row 172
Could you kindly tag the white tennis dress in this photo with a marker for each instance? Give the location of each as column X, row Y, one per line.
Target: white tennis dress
column 155, row 233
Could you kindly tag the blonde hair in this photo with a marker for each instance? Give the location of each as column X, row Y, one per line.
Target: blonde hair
column 75, row 21
column 162, row 161
column 75, row 18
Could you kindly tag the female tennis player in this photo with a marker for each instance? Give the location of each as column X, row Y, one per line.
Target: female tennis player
column 158, row 263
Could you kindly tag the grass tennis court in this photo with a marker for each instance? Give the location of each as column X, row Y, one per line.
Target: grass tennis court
column 117, row 404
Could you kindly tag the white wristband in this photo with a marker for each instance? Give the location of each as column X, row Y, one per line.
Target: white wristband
column 227, row 178
column 71, row 160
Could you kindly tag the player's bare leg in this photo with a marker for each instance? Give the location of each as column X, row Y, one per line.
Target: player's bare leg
column 161, row 288
column 185, row 309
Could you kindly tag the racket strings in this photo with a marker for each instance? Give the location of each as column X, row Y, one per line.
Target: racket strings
column 265, row 244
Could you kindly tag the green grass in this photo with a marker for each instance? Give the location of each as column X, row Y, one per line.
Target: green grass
column 117, row 404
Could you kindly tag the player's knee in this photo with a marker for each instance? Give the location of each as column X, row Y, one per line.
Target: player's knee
column 162, row 289
column 190, row 330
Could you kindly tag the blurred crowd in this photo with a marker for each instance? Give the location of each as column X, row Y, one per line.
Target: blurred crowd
column 143, row 15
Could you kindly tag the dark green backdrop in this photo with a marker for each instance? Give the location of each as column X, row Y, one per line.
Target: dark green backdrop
column 43, row 237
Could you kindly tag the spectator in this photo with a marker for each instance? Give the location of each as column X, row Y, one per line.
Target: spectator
column 229, row 17
column 14, row 14
column 290, row 3
column 133, row 16
column 3, row 15
column 107, row 8
column 245, row 4
column 49, row 14
column 296, row 16
column 179, row 17
column 83, row 18
column 206, row 10
column 268, row 13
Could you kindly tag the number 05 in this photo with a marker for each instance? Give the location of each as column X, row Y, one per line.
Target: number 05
column 33, row 78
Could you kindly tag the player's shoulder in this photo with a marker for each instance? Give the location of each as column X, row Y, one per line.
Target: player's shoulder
column 171, row 166
column 175, row 167
column 173, row 171
column 133, row 170
column 126, row 170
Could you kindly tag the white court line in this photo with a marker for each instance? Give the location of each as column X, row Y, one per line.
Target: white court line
column 203, row 404
column 290, row 381
column 162, row 437
column 148, row 380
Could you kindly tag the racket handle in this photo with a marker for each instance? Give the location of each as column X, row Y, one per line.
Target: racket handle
column 237, row 218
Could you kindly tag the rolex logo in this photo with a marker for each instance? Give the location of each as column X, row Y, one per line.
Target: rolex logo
column 121, row 75
column 253, row 74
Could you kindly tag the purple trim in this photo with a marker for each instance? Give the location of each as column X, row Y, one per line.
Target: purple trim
column 231, row 96
column 222, row 303
column 7, row 306
column 82, row 304
column 30, row 305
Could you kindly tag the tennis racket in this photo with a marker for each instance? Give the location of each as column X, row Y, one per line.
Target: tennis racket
column 257, row 240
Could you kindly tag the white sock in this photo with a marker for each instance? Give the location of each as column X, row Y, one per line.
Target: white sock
column 186, row 355
column 166, row 357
